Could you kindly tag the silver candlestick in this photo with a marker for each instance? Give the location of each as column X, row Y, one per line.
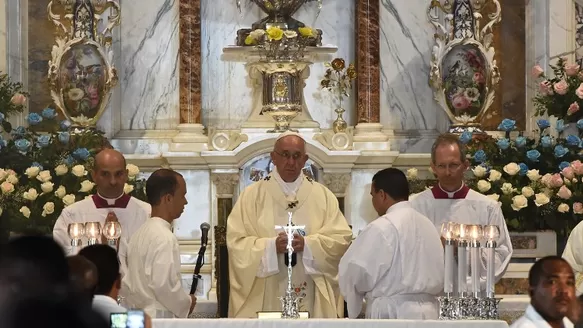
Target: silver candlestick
column 290, row 301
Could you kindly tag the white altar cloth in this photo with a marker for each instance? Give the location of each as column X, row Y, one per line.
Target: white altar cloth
column 323, row 323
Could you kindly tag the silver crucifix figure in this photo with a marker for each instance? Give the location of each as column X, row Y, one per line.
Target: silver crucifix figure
column 290, row 301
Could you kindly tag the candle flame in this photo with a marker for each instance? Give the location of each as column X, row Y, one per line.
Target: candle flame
column 111, row 230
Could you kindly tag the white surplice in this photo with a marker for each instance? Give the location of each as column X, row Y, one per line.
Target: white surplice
column 532, row 319
column 573, row 254
column 469, row 207
column 153, row 282
column 396, row 263
column 131, row 213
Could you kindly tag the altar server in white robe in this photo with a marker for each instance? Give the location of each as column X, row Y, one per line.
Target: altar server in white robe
column 452, row 200
column 109, row 203
column 257, row 263
column 154, row 282
column 396, row 262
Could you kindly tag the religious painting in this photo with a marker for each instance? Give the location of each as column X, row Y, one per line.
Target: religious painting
column 464, row 80
column 261, row 166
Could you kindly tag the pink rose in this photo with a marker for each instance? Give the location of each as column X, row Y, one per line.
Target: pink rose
column 556, row 181
column 479, row 78
column 545, row 88
column 18, row 99
column 573, row 108
column 577, row 167
column 568, row 172
column 579, row 91
column 561, row 87
column 565, row 60
column 564, row 192
column 537, row 71
column 460, row 102
column 571, row 69
column 577, row 208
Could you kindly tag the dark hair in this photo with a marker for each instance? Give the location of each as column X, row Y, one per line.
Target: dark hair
column 105, row 259
column 537, row 270
column 448, row 139
column 393, row 182
column 161, row 183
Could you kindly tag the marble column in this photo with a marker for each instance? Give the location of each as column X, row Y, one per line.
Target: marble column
column 368, row 126
column 191, row 131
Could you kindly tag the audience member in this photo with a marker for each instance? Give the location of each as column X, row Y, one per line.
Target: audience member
column 83, row 275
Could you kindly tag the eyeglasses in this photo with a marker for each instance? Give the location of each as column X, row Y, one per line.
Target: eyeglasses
column 451, row 167
column 287, row 155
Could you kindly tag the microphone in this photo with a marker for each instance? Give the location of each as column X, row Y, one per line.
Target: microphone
column 204, row 228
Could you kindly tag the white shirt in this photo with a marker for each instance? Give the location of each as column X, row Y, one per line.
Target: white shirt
column 106, row 305
column 153, row 282
column 532, row 319
column 469, row 207
column 397, row 264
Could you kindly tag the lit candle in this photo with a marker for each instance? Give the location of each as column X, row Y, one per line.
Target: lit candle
column 475, row 236
column 462, row 258
column 76, row 231
column 112, row 232
column 491, row 235
column 93, row 231
column 447, row 232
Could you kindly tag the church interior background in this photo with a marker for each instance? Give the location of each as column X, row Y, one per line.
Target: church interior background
column 188, row 98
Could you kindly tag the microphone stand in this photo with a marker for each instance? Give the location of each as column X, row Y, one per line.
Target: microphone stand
column 199, row 262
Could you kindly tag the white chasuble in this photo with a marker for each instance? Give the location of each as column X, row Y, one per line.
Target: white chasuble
column 258, row 276
column 573, row 254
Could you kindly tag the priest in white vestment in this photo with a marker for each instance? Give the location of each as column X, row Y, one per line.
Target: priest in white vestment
column 109, row 203
column 154, row 282
column 573, row 254
column 257, row 263
column 452, row 200
column 396, row 262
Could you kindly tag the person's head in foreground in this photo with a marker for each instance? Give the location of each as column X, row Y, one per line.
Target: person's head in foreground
column 389, row 186
column 448, row 161
column 166, row 192
column 105, row 259
column 289, row 156
column 83, row 275
column 552, row 288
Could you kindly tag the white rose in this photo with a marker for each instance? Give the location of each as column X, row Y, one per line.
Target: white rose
column 86, row 186
column 519, row 202
column 507, row 188
column 533, row 175
column 494, row 197
column 61, row 170
column 12, row 179
column 128, row 188
column 25, row 211
column 527, row 192
column 79, row 171
column 411, row 173
column 44, row 176
column 61, row 192
column 47, row 186
column 32, row 171
column 541, row 199
column 484, row 186
column 494, row 175
column 479, row 171
column 511, row 168
column 69, row 199
column 6, row 187
column 31, row 194
column 88, row 196
column 48, row 208
column 563, row 208
column 3, row 174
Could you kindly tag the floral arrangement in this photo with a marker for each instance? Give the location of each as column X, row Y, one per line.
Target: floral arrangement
column 12, row 100
column 276, row 43
column 561, row 95
column 338, row 78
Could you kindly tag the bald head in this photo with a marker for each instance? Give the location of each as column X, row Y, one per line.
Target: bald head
column 109, row 173
column 83, row 275
column 289, row 156
column 290, row 140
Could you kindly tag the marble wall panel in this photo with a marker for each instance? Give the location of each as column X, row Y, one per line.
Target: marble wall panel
column 198, row 209
column 358, row 206
column 3, row 41
column 40, row 44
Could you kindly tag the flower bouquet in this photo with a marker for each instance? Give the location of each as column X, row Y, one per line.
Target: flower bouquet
column 338, row 80
column 275, row 43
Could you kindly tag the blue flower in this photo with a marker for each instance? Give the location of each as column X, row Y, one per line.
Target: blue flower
column 2, row 117
column 546, row 141
column 19, row 132
column 523, row 169
column 543, row 124
column 22, row 145
column 81, row 154
column 561, row 126
column 580, row 124
column 503, row 143
column 64, row 137
column 533, row 155
column 48, row 113
column 560, row 151
column 65, row 125
column 520, row 141
column 34, row 119
column 507, row 125
column 573, row 140
column 43, row 141
column 466, row 137
column 563, row 165
column 69, row 160
column 480, row 156
column 37, row 164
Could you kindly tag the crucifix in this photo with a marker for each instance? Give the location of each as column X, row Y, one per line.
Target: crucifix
column 289, row 302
